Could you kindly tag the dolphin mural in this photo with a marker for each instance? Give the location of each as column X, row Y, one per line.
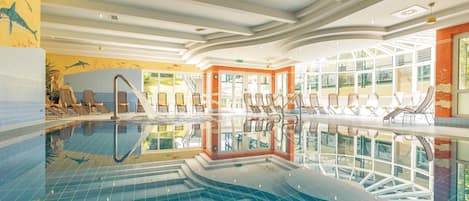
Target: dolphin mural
column 79, row 63
column 78, row 160
column 15, row 18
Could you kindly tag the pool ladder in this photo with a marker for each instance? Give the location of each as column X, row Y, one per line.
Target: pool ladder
column 116, row 90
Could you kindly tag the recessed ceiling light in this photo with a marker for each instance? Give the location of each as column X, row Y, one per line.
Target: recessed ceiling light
column 114, row 17
column 409, row 12
column 100, row 15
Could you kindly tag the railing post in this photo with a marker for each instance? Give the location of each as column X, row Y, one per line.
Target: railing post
column 115, row 117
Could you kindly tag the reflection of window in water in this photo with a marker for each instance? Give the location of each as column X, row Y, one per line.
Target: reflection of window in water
column 364, row 146
column 383, row 150
column 421, row 161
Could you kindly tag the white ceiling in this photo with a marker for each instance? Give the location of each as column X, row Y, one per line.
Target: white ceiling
column 221, row 32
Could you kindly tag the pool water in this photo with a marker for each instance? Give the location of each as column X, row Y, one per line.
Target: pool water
column 233, row 158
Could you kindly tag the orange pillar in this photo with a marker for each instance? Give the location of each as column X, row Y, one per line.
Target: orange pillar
column 444, row 68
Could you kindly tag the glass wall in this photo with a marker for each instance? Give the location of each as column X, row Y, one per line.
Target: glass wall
column 462, row 74
column 234, row 84
column 396, row 70
column 171, row 83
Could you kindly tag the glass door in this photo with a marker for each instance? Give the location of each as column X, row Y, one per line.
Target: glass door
column 231, row 92
column 233, row 85
column 461, row 76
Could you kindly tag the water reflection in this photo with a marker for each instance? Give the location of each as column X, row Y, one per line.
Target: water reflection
column 375, row 159
column 391, row 165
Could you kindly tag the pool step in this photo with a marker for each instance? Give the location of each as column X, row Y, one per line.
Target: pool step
column 119, row 168
column 94, row 174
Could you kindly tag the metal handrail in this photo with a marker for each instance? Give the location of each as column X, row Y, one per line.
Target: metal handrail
column 115, row 117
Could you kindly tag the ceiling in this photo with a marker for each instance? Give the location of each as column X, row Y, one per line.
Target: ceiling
column 247, row 33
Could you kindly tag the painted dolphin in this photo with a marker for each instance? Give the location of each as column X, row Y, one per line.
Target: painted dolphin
column 15, row 17
column 79, row 63
column 78, row 160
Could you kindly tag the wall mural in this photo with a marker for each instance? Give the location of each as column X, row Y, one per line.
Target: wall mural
column 20, row 23
column 59, row 65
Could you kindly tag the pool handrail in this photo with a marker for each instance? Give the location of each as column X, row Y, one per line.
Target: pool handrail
column 115, row 117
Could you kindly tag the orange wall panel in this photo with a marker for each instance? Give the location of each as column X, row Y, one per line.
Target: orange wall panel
column 444, row 68
column 216, row 69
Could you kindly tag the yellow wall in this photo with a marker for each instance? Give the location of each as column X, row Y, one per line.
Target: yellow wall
column 67, row 64
column 27, row 11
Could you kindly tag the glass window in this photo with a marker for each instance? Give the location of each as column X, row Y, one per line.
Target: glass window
column 383, row 62
column 384, row 82
column 312, row 84
column 346, row 83
column 403, row 59
column 404, row 80
column 424, row 55
column 464, row 63
column 346, row 66
column 328, row 83
column 364, row 83
column 329, row 66
column 364, row 64
column 264, row 82
column 423, row 77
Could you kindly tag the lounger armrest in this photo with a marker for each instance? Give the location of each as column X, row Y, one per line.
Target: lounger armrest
column 76, row 105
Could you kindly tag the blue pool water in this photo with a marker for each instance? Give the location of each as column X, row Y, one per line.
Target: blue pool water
column 228, row 159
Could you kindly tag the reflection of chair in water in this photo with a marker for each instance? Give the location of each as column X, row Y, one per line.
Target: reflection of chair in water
column 419, row 109
column 247, row 126
column 67, row 132
column 352, row 103
column 122, row 103
column 180, row 105
column 271, row 102
column 352, row 131
column 68, row 100
column 162, row 102
column 313, row 127
column 333, row 106
column 197, row 103
column 122, row 127
column 332, row 128
column 424, row 142
column 249, row 104
column 88, row 128
column 90, row 101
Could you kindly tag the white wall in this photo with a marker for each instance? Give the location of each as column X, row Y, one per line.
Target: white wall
column 22, row 86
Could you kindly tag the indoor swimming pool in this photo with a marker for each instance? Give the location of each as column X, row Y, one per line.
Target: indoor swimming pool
column 227, row 158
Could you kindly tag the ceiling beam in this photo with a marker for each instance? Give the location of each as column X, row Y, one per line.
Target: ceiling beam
column 50, row 43
column 313, row 7
column 252, row 9
column 105, row 27
column 111, row 40
column 155, row 16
